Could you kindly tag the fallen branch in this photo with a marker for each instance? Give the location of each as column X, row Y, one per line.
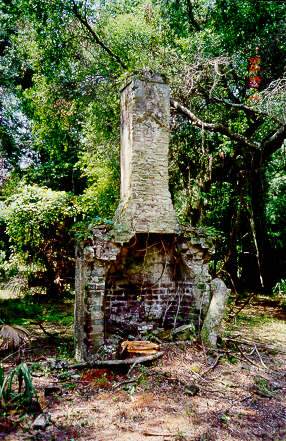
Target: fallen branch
column 251, row 343
column 114, row 363
column 260, row 358
column 212, row 366
column 177, row 342
column 200, row 377
column 252, row 351
column 132, row 380
column 156, row 339
column 250, row 361
column 11, row 355
column 41, row 326
column 245, row 357
column 159, row 434
column 131, row 368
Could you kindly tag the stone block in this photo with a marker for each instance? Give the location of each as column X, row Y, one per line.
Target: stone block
column 96, row 307
column 96, row 315
column 97, row 330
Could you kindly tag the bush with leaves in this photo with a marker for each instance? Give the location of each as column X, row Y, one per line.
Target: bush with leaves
column 37, row 222
column 69, row 58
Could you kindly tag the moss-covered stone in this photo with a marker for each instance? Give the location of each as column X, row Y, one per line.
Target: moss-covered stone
column 215, row 314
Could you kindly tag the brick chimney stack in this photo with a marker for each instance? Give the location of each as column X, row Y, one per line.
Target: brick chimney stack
column 145, row 201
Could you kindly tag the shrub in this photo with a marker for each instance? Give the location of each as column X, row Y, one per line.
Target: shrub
column 38, row 221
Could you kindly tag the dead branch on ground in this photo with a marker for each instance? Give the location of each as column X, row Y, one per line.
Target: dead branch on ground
column 115, row 363
column 212, row 366
column 47, row 333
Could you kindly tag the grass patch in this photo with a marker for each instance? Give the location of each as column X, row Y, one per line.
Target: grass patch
column 257, row 325
column 252, row 321
column 33, row 307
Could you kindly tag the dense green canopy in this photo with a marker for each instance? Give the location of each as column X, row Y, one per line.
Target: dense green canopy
column 62, row 63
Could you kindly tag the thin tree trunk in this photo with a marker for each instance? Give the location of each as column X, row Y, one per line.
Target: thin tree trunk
column 256, row 208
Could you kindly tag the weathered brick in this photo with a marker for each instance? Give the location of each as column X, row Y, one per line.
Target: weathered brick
column 97, row 315
column 128, row 280
column 97, row 329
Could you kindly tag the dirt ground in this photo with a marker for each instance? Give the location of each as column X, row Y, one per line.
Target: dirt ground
column 190, row 394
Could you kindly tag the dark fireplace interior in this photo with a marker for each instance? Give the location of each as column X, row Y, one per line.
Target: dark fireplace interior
column 146, row 287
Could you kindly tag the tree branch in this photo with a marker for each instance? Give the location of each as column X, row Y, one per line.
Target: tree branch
column 85, row 23
column 244, row 107
column 112, row 363
column 274, row 141
column 215, row 127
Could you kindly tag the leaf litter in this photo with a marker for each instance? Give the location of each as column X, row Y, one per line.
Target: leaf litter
column 190, row 394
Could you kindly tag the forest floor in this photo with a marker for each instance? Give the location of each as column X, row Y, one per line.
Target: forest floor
column 190, row 394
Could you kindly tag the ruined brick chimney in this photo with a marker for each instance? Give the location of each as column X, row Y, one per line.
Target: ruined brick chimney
column 145, row 273
column 145, row 201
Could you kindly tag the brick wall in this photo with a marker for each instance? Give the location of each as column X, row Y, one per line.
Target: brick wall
column 147, row 287
column 154, row 280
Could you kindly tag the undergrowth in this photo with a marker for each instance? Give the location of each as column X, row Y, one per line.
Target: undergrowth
column 17, row 390
column 34, row 307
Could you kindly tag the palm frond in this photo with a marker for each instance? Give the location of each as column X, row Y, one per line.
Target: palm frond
column 13, row 336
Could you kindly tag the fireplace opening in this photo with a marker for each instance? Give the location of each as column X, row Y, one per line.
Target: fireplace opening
column 146, row 286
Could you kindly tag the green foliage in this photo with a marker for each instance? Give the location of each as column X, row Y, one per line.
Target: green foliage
column 15, row 135
column 83, row 230
column 100, row 381
column 55, row 130
column 9, row 268
column 276, row 198
column 37, row 309
column 101, row 197
column 221, row 199
column 17, row 312
column 133, row 35
column 279, row 292
column 37, row 223
column 280, row 288
column 23, row 397
column 275, row 210
column 249, row 25
column 33, row 215
column 63, row 64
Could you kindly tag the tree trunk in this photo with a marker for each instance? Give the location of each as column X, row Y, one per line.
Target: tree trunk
column 256, row 206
